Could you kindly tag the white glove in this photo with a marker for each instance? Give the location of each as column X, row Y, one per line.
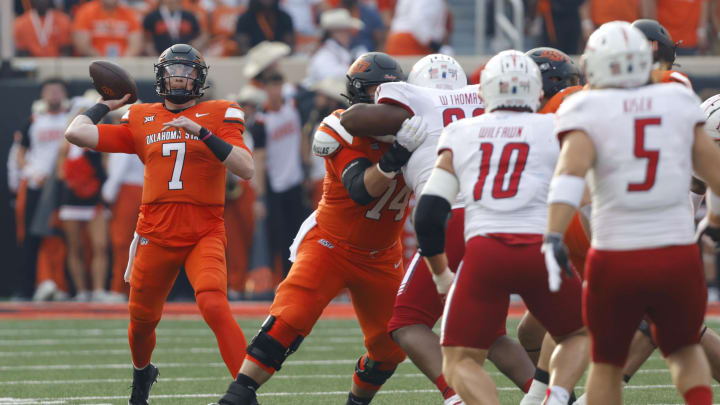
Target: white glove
column 443, row 281
column 412, row 133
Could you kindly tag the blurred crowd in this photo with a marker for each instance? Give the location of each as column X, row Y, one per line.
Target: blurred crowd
column 116, row 28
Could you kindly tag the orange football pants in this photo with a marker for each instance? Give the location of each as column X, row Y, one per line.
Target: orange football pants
column 239, row 226
column 324, row 267
column 153, row 274
column 577, row 243
column 122, row 225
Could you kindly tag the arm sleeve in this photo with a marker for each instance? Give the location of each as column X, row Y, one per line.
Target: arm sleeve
column 394, row 93
column 115, row 138
column 340, row 160
column 572, row 116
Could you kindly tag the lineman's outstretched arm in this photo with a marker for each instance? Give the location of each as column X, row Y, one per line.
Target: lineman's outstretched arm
column 374, row 119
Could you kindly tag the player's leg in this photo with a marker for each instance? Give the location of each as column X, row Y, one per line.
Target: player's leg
column 561, row 314
column 373, row 283
column 613, row 306
column 541, row 379
column 476, row 309
column 314, row 280
column 206, row 269
column 531, row 335
column 418, row 306
column 710, row 342
column 464, row 367
column 153, row 273
column 677, row 311
column 512, row 360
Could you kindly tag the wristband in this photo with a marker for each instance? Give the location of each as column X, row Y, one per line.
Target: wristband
column 96, row 112
column 566, row 189
column 217, row 146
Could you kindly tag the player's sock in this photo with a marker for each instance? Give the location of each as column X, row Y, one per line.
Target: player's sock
column 538, row 388
column 626, row 378
column 572, row 398
column 215, row 309
column 527, row 385
column 444, row 388
column 247, row 382
column 355, row 400
column 542, row 376
column 699, row 395
column 141, row 336
column 556, row 396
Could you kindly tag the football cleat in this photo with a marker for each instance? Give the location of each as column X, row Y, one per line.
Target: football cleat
column 238, row 395
column 454, row 400
column 142, row 381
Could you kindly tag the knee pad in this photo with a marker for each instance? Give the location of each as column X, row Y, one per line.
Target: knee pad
column 369, row 372
column 267, row 350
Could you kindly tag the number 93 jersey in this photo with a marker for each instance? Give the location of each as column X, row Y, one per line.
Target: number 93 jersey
column 438, row 108
column 184, row 184
column 504, row 161
column 640, row 179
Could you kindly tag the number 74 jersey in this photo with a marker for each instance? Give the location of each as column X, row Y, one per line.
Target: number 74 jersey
column 184, row 184
column 504, row 162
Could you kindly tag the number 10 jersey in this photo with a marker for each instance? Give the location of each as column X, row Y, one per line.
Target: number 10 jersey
column 184, row 184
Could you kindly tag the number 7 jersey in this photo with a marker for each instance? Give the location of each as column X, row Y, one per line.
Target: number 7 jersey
column 504, row 162
column 184, row 184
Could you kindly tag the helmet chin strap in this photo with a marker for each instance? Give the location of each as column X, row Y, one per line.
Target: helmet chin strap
column 178, row 99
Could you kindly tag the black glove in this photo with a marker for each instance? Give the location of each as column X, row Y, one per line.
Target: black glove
column 395, row 158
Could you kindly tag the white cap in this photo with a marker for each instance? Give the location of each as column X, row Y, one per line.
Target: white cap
column 263, row 55
column 339, row 18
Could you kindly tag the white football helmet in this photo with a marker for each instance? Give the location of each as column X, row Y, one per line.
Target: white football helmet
column 617, row 55
column 438, row 71
column 511, row 79
column 711, row 107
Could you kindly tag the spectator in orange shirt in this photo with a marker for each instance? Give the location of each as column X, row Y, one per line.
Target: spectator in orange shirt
column 106, row 28
column 169, row 24
column 597, row 12
column 42, row 32
column 686, row 21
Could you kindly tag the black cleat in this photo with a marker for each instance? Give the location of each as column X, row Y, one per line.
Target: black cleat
column 142, row 381
column 238, row 395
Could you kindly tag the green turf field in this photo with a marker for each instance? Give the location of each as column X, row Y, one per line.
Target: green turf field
column 88, row 362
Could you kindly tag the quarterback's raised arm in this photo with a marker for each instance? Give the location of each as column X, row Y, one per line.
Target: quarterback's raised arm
column 83, row 130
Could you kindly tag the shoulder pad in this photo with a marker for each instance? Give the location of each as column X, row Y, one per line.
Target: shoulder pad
column 333, row 121
column 679, row 77
column 324, row 144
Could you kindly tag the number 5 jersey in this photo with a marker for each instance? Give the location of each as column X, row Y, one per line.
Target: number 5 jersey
column 184, row 185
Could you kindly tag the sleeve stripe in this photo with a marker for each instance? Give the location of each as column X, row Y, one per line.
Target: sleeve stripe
column 234, row 113
column 333, row 122
column 126, row 116
column 234, row 121
column 390, row 101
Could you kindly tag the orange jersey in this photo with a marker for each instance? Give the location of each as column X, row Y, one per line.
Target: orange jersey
column 670, row 76
column 184, row 185
column 108, row 30
column 553, row 104
column 375, row 226
column 47, row 38
column 575, row 237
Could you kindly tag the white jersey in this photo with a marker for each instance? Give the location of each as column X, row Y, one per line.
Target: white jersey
column 438, row 108
column 44, row 135
column 640, row 180
column 504, row 161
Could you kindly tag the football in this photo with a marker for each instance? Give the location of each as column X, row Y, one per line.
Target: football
column 112, row 81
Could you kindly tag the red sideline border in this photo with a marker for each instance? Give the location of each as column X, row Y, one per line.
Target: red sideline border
column 72, row 310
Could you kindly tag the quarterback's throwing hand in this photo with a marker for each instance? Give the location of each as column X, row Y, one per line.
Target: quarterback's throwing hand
column 185, row 123
column 556, row 259
column 412, row 133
